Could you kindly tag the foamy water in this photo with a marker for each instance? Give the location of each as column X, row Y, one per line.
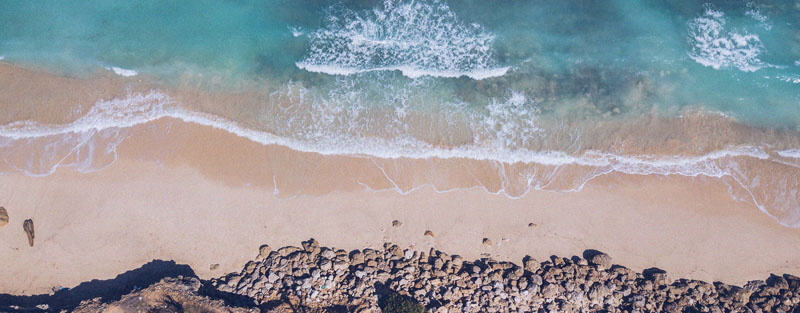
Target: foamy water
column 423, row 38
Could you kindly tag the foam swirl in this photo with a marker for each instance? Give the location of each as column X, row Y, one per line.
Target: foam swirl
column 713, row 45
column 417, row 38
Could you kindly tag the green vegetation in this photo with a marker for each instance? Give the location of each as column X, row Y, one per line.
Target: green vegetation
column 396, row 303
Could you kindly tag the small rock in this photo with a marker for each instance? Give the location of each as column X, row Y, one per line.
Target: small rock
column 356, row 257
column 428, row 233
column 28, row 227
column 213, row 266
column 325, row 265
column 532, row 225
column 602, row 260
column 3, row 216
column 487, row 242
column 397, row 223
column 263, row 252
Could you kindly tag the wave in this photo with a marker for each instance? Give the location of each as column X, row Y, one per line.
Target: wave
column 539, row 168
column 408, row 71
column 790, row 153
column 122, row 72
column 419, row 38
column 715, row 46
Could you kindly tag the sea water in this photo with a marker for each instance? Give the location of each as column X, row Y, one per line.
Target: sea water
column 546, row 83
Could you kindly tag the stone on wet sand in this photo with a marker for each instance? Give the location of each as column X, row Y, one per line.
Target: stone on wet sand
column 27, row 226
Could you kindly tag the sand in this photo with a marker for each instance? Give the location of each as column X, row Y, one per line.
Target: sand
column 214, row 201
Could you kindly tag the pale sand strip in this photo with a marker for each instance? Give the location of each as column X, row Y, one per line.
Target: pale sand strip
column 195, row 207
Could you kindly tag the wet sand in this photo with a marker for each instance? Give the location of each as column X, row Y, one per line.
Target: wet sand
column 202, row 202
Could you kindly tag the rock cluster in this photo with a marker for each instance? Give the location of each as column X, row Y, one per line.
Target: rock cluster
column 316, row 277
column 181, row 294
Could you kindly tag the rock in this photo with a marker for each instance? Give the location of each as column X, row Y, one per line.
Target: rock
column 27, row 226
column 3, row 216
column 397, row 223
column 530, row 264
column 532, row 225
column 311, row 246
column 263, row 252
column 428, row 233
column 328, row 253
column 356, row 257
column 340, row 265
column 213, row 266
column 602, row 260
column 487, row 242
column 325, row 264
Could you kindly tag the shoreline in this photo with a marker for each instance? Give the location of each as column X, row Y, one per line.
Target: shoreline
column 95, row 225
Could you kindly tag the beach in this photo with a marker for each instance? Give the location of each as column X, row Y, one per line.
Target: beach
column 198, row 207
column 536, row 141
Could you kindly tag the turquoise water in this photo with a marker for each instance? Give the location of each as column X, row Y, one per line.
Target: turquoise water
column 554, row 50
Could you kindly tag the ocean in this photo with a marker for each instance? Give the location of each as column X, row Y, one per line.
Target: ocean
column 551, row 93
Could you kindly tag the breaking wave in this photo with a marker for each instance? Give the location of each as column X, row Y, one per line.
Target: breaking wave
column 418, row 38
column 714, row 45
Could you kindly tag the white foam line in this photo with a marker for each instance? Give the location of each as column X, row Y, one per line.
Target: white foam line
column 790, row 153
column 407, row 71
column 155, row 105
column 122, row 72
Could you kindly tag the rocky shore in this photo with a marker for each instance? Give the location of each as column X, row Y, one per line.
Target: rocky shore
column 312, row 278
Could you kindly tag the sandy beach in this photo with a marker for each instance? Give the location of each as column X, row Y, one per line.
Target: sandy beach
column 201, row 202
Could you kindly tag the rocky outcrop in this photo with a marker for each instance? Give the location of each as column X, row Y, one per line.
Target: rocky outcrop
column 169, row 295
column 313, row 278
column 317, row 277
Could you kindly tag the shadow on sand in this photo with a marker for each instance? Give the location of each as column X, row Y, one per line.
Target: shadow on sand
column 107, row 290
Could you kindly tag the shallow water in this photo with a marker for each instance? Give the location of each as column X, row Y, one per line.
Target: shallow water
column 555, row 93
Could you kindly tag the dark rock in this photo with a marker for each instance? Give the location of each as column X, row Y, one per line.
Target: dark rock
column 3, row 216
column 27, row 226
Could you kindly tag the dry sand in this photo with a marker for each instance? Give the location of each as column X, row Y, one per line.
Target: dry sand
column 212, row 201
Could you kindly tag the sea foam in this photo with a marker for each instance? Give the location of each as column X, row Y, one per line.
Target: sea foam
column 122, row 72
column 116, row 114
column 418, row 38
column 713, row 45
